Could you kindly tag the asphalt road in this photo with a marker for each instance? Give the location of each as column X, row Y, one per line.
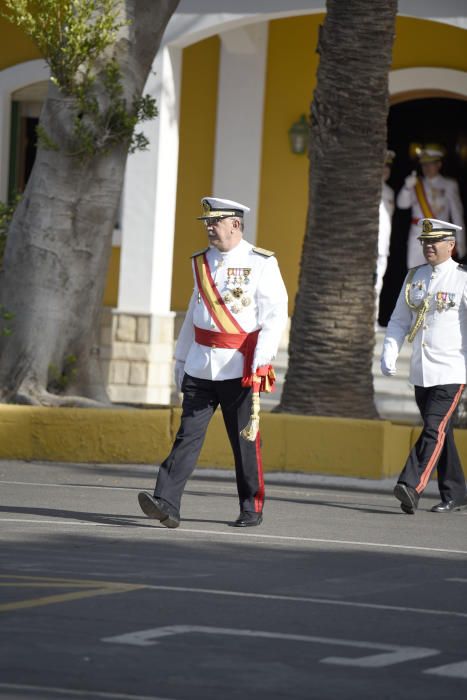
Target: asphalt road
column 338, row 595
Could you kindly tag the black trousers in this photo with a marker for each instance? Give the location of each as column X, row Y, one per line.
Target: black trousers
column 201, row 397
column 435, row 447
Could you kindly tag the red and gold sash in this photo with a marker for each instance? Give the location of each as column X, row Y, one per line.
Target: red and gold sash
column 423, row 200
column 213, row 301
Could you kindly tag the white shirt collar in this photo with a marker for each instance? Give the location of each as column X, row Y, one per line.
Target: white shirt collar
column 442, row 267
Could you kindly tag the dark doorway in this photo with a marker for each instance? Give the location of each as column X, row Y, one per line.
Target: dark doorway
column 428, row 120
column 23, row 149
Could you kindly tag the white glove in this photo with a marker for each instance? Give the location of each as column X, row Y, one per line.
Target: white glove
column 388, row 368
column 179, row 373
column 411, row 180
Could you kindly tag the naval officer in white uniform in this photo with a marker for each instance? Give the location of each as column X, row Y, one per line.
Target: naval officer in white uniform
column 431, row 196
column 432, row 312
column 235, row 319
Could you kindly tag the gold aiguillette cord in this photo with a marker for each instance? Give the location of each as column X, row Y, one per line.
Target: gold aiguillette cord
column 421, row 309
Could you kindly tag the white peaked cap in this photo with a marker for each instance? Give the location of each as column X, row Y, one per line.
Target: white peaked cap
column 215, row 206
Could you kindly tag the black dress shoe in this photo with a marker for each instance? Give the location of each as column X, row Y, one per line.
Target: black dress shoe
column 447, row 507
column 158, row 509
column 248, row 518
column 408, row 497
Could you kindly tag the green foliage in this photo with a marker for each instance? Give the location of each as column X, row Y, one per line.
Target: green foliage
column 70, row 34
column 99, row 129
column 45, row 140
column 60, row 379
column 75, row 38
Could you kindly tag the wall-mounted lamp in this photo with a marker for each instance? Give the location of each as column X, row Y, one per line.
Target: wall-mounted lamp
column 299, row 135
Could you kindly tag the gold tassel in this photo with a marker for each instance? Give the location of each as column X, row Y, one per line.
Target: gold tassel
column 421, row 309
column 251, row 430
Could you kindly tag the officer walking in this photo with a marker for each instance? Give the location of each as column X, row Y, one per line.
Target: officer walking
column 432, row 312
column 430, row 196
column 231, row 333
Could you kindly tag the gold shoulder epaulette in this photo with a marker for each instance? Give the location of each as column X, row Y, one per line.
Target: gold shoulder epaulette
column 263, row 251
column 416, row 267
column 199, row 252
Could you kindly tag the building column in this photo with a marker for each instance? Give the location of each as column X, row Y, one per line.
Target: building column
column 240, row 118
column 137, row 338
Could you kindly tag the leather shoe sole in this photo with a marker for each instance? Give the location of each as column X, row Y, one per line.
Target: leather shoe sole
column 154, row 508
column 248, row 519
column 408, row 498
column 447, row 507
column 407, row 509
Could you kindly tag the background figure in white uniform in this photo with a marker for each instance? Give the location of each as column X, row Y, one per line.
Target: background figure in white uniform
column 231, row 332
column 431, row 196
column 432, row 311
column 386, row 210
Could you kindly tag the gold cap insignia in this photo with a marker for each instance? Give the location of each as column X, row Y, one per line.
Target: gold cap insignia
column 427, row 226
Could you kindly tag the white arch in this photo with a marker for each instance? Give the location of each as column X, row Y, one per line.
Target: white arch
column 198, row 19
column 442, row 79
column 12, row 79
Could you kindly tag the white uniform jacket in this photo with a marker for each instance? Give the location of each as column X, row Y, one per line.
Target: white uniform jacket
column 265, row 309
column 444, row 199
column 440, row 346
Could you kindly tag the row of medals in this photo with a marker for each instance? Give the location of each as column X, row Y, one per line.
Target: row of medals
column 238, row 279
column 443, row 300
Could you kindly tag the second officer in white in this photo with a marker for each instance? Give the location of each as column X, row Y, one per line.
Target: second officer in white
column 432, row 312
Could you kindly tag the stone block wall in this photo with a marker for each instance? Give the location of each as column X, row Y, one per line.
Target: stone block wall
column 136, row 352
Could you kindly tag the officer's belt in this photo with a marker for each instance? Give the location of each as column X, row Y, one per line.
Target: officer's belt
column 243, row 342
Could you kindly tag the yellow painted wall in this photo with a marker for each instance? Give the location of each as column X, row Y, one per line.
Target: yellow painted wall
column 290, row 80
column 113, row 275
column 196, row 160
column 15, row 47
column 424, row 43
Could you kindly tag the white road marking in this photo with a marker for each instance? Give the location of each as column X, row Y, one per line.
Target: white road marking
column 184, row 532
column 392, row 654
column 78, row 693
column 457, row 670
column 305, row 599
column 457, row 580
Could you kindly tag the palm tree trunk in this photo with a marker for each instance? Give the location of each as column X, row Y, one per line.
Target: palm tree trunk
column 332, row 333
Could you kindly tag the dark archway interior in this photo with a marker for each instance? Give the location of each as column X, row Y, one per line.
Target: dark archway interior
column 439, row 120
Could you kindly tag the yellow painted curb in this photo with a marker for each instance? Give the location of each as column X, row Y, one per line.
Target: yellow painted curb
column 291, row 443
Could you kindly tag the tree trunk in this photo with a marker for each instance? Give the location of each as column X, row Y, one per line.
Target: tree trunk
column 60, row 240
column 332, row 334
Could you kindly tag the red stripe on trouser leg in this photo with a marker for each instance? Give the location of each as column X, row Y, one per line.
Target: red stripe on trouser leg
column 259, row 496
column 439, row 443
